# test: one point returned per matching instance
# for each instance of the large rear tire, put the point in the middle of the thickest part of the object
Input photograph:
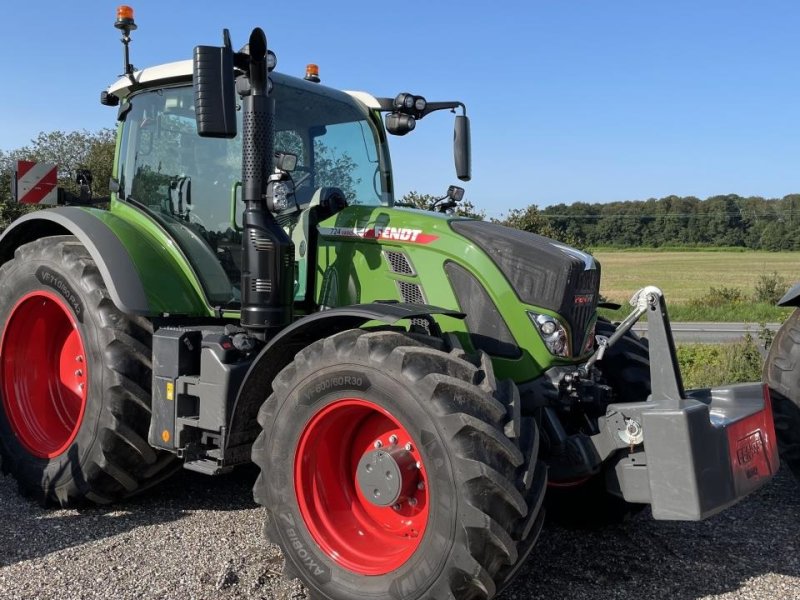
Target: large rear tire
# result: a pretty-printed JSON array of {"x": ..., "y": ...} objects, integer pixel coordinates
[
  {"x": 782, "y": 374},
  {"x": 469, "y": 483},
  {"x": 588, "y": 504},
  {"x": 74, "y": 379}
]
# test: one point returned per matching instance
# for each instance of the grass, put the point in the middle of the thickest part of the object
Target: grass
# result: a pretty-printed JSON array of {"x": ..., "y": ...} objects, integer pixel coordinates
[
  {"x": 662, "y": 249},
  {"x": 687, "y": 276},
  {"x": 686, "y": 279},
  {"x": 708, "y": 365}
]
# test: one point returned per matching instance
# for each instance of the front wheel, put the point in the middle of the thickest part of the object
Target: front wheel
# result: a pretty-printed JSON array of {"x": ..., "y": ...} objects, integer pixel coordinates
[{"x": 391, "y": 468}]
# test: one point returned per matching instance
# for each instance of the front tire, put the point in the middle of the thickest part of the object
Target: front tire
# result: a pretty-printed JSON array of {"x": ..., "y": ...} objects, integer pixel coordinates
[
  {"x": 469, "y": 509},
  {"x": 782, "y": 374},
  {"x": 74, "y": 380}
]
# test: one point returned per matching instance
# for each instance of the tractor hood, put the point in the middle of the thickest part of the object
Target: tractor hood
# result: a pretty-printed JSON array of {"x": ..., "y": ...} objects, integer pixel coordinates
[
  {"x": 499, "y": 277},
  {"x": 541, "y": 271}
]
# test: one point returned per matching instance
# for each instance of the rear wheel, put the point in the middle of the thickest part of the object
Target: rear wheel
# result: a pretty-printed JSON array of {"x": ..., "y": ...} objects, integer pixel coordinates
[
  {"x": 782, "y": 374},
  {"x": 74, "y": 381},
  {"x": 587, "y": 504},
  {"x": 392, "y": 468}
]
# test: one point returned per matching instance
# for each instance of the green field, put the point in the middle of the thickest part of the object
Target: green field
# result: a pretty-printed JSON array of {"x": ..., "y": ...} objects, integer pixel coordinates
[{"x": 684, "y": 276}]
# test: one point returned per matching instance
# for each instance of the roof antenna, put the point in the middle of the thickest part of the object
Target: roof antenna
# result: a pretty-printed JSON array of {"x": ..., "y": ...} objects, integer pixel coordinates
[{"x": 126, "y": 24}]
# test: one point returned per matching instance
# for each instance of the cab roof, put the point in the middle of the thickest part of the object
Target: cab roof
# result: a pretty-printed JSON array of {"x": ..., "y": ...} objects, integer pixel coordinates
[{"x": 182, "y": 71}]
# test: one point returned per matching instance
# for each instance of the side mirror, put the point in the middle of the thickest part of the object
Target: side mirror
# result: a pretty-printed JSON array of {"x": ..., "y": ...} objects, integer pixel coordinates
[
  {"x": 214, "y": 98},
  {"x": 462, "y": 152},
  {"x": 455, "y": 193},
  {"x": 285, "y": 161}
]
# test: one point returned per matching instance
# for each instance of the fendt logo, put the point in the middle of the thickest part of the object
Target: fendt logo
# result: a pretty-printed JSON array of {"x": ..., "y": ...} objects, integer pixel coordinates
[
  {"x": 381, "y": 232},
  {"x": 403, "y": 234},
  {"x": 749, "y": 448}
]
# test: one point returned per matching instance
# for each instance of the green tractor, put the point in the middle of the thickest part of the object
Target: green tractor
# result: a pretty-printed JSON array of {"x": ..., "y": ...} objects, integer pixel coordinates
[{"x": 409, "y": 382}]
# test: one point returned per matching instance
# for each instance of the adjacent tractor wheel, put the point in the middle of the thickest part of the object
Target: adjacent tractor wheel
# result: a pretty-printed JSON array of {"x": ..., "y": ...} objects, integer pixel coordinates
[
  {"x": 392, "y": 468},
  {"x": 74, "y": 381},
  {"x": 782, "y": 374},
  {"x": 587, "y": 504}
]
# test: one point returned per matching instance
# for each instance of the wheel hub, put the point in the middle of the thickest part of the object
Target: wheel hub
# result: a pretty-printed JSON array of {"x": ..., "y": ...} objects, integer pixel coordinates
[{"x": 387, "y": 478}]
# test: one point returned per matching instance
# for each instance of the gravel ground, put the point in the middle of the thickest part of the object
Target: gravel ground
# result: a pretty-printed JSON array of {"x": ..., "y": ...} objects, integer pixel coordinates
[{"x": 195, "y": 537}]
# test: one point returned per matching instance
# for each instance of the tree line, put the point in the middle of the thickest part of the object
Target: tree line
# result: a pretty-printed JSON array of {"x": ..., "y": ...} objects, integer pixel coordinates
[{"x": 681, "y": 221}]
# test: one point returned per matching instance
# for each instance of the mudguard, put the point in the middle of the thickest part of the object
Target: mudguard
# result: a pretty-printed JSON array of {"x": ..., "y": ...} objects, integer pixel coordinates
[
  {"x": 140, "y": 276},
  {"x": 281, "y": 349},
  {"x": 792, "y": 297}
]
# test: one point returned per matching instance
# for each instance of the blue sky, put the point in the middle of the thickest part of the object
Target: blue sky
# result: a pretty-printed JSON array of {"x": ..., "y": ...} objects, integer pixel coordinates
[{"x": 569, "y": 101}]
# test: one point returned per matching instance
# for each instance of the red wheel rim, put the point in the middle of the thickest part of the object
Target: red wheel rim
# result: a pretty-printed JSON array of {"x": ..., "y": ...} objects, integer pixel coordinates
[
  {"x": 360, "y": 536},
  {"x": 44, "y": 374}
]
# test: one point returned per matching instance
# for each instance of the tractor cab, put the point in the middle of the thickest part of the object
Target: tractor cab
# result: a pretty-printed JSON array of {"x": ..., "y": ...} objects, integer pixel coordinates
[{"x": 330, "y": 152}]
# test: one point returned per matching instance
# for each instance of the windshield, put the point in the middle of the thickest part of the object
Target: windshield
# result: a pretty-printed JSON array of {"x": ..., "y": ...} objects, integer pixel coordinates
[{"x": 192, "y": 185}]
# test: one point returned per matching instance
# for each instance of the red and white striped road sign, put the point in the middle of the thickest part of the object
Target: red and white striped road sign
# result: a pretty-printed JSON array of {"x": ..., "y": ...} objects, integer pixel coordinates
[{"x": 36, "y": 182}]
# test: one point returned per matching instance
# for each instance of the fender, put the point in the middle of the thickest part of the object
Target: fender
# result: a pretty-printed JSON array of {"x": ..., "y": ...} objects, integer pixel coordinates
[
  {"x": 125, "y": 256},
  {"x": 281, "y": 349},
  {"x": 792, "y": 297}
]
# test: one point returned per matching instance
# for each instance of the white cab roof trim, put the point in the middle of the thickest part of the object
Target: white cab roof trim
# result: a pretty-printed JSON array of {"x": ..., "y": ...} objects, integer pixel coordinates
[
  {"x": 366, "y": 99},
  {"x": 182, "y": 68}
]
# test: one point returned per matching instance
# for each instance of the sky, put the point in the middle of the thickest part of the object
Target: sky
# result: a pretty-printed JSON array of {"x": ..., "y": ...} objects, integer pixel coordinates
[{"x": 568, "y": 100}]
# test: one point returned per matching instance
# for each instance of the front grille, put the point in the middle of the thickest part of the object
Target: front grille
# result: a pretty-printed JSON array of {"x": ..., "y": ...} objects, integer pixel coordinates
[{"x": 580, "y": 314}]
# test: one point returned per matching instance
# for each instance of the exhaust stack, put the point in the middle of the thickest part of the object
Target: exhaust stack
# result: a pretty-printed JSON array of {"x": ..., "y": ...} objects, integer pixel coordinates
[{"x": 267, "y": 252}]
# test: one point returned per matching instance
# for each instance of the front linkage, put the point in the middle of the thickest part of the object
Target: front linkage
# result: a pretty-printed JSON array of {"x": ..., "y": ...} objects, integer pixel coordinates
[{"x": 691, "y": 454}]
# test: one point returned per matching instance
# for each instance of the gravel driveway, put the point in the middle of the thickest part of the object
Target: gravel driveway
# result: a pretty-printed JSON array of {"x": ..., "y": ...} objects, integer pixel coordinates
[{"x": 195, "y": 537}]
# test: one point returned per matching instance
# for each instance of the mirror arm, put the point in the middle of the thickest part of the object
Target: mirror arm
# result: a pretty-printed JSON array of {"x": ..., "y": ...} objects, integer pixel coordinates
[
  {"x": 387, "y": 105},
  {"x": 434, "y": 106}
]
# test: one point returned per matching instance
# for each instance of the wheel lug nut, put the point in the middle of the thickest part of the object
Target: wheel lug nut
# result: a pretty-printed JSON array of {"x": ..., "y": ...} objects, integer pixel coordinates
[
  {"x": 79, "y": 358},
  {"x": 419, "y": 465},
  {"x": 412, "y": 501},
  {"x": 396, "y": 507},
  {"x": 421, "y": 485},
  {"x": 393, "y": 440},
  {"x": 408, "y": 446},
  {"x": 378, "y": 444},
  {"x": 78, "y": 373}
]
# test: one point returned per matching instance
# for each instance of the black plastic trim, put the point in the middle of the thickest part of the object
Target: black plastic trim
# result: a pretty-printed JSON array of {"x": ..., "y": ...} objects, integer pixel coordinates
[
  {"x": 792, "y": 297},
  {"x": 487, "y": 328}
]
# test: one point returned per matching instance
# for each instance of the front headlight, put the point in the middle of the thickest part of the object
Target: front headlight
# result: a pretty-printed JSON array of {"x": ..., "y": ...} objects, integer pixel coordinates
[{"x": 553, "y": 334}]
